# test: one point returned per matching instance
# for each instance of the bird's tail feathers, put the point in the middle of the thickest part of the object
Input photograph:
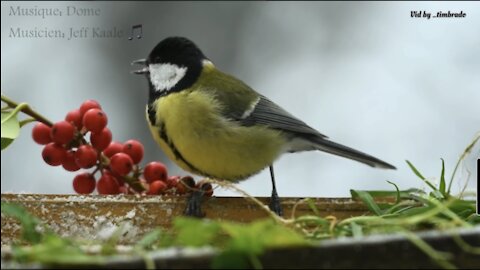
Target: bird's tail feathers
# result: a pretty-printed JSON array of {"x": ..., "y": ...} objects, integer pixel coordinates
[{"x": 347, "y": 152}]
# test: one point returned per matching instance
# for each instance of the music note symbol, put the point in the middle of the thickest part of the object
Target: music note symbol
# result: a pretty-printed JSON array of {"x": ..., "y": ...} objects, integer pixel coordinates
[{"x": 137, "y": 26}]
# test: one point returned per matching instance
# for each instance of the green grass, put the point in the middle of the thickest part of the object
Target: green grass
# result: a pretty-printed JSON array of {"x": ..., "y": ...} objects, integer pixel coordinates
[{"x": 408, "y": 211}]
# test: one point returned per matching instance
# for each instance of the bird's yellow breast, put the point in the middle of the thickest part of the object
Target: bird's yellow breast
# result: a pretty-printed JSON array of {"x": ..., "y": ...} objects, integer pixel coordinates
[{"x": 209, "y": 144}]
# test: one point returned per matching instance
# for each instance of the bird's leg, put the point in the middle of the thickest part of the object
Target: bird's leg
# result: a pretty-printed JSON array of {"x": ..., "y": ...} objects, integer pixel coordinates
[
  {"x": 194, "y": 203},
  {"x": 275, "y": 200}
]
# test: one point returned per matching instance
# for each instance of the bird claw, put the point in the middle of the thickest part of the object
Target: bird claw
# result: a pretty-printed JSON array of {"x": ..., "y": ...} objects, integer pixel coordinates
[
  {"x": 275, "y": 205},
  {"x": 194, "y": 203}
]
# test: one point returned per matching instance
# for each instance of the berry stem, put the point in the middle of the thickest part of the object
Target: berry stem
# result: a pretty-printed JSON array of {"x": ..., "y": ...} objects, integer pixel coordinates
[
  {"x": 137, "y": 171},
  {"x": 97, "y": 169},
  {"x": 103, "y": 161},
  {"x": 25, "y": 108},
  {"x": 135, "y": 185},
  {"x": 26, "y": 121}
]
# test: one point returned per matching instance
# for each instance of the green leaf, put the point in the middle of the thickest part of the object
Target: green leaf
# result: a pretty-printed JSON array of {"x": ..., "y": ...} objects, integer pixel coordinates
[
  {"x": 10, "y": 128},
  {"x": 55, "y": 250},
  {"x": 150, "y": 238},
  {"x": 6, "y": 142},
  {"x": 246, "y": 237},
  {"x": 10, "y": 125},
  {"x": 195, "y": 232},
  {"x": 29, "y": 222},
  {"x": 368, "y": 200}
]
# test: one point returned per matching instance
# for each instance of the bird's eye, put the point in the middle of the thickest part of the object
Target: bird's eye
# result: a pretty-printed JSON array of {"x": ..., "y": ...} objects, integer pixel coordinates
[{"x": 157, "y": 59}]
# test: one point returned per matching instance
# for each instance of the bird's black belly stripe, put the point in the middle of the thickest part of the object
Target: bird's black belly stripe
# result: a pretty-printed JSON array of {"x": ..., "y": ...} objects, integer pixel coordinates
[
  {"x": 178, "y": 155},
  {"x": 151, "y": 114}
]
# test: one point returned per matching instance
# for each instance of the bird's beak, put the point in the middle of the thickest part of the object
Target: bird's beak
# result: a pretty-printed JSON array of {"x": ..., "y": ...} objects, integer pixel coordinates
[{"x": 142, "y": 62}]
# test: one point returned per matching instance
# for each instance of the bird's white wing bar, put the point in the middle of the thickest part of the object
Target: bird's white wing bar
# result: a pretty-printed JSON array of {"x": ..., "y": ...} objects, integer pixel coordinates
[
  {"x": 268, "y": 113},
  {"x": 250, "y": 109}
]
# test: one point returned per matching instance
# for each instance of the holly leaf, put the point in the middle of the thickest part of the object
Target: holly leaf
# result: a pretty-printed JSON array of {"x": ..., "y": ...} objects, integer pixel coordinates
[
  {"x": 10, "y": 128},
  {"x": 6, "y": 142}
]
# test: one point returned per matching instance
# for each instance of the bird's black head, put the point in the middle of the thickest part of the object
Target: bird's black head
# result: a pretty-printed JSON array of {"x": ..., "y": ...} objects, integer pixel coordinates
[
  {"x": 173, "y": 65},
  {"x": 179, "y": 51}
]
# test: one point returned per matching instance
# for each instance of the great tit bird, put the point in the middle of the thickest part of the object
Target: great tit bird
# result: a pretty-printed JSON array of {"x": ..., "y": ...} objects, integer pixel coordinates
[{"x": 213, "y": 124}]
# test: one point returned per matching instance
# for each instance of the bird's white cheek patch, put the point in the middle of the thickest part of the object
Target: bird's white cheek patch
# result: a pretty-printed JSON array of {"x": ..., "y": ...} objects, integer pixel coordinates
[{"x": 166, "y": 76}]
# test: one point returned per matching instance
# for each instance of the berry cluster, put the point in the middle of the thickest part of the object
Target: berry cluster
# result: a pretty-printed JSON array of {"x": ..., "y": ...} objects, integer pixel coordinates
[{"x": 117, "y": 163}]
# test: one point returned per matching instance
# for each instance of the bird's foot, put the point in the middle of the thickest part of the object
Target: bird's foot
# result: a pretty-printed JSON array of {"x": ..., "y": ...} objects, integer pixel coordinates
[
  {"x": 275, "y": 205},
  {"x": 194, "y": 203}
]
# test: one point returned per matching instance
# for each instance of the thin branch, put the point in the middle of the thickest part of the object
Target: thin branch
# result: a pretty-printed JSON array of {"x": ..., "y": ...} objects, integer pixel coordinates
[{"x": 25, "y": 108}]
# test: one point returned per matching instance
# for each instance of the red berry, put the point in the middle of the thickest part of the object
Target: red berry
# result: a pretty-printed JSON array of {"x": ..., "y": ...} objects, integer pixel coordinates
[
  {"x": 121, "y": 164},
  {"x": 112, "y": 149},
  {"x": 87, "y": 105},
  {"x": 155, "y": 171},
  {"x": 157, "y": 187},
  {"x": 185, "y": 185},
  {"x": 102, "y": 139},
  {"x": 205, "y": 187},
  {"x": 107, "y": 184},
  {"x": 75, "y": 118},
  {"x": 86, "y": 156},
  {"x": 134, "y": 149},
  {"x": 62, "y": 132},
  {"x": 119, "y": 178},
  {"x": 84, "y": 183},
  {"x": 124, "y": 190},
  {"x": 172, "y": 181},
  {"x": 95, "y": 120},
  {"x": 41, "y": 134},
  {"x": 53, "y": 154},
  {"x": 69, "y": 163}
]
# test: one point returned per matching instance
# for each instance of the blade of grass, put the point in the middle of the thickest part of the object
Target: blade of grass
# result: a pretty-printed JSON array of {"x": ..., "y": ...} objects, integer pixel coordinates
[
  {"x": 397, "y": 190},
  {"x": 464, "y": 245},
  {"x": 310, "y": 219},
  {"x": 312, "y": 206},
  {"x": 357, "y": 230},
  {"x": 400, "y": 207},
  {"x": 368, "y": 200},
  {"x": 388, "y": 193},
  {"x": 462, "y": 157},
  {"x": 442, "y": 180},
  {"x": 417, "y": 173},
  {"x": 439, "y": 257}
]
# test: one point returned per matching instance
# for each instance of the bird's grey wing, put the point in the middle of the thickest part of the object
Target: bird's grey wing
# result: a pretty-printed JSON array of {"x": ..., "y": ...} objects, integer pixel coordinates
[
  {"x": 266, "y": 112},
  {"x": 248, "y": 107},
  {"x": 262, "y": 111}
]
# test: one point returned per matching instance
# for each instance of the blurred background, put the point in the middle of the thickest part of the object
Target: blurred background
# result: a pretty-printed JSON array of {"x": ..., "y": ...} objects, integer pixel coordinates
[{"x": 367, "y": 75}]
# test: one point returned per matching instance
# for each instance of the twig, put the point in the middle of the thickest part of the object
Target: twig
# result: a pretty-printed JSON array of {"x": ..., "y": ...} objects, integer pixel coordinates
[{"x": 25, "y": 108}]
